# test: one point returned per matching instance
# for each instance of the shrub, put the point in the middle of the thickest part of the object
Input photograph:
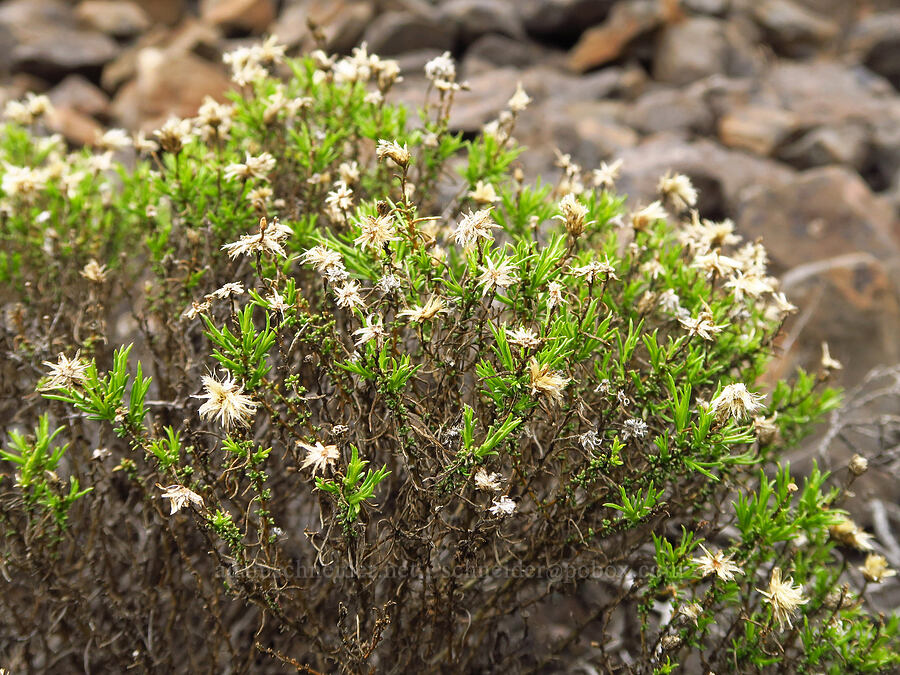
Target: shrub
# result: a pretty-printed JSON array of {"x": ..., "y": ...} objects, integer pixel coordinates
[{"x": 383, "y": 405}]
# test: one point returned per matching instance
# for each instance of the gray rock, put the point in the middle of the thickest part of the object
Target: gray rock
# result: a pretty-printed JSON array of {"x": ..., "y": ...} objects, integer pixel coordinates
[
  {"x": 846, "y": 144},
  {"x": 80, "y": 94},
  {"x": 48, "y": 41},
  {"x": 689, "y": 50},
  {"x": 342, "y": 22},
  {"x": 671, "y": 110},
  {"x": 397, "y": 32},
  {"x": 499, "y": 50},
  {"x": 562, "y": 20},
  {"x": 474, "y": 18}
]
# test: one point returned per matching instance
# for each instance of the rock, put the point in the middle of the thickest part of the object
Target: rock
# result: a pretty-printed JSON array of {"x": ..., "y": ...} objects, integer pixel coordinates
[
  {"x": 163, "y": 11},
  {"x": 846, "y": 144},
  {"x": 191, "y": 35},
  {"x": 562, "y": 20},
  {"x": 759, "y": 129},
  {"x": 876, "y": 43},
  {"x": 722, "y": 176},
  {"x": 597, "y": 134},
  {"x": 689, "y": 50},
  {"x": 711, "y": 7},
  {"x": 48, "y": 41},
  {"x": 671, "y": 110},
  {"x": 793, "y": 29},
  {"x": 844, "y": 273},
  {"x": 119, "y": 18},
  {"x": 827, "y": 92},
  {"x": 626, "y": 21},
  {"x": 239, "y": 15},
  {"x": 486, "y": 97},
  {"x": 499, "y": 50},
  {"x": 81, "y": 95},
  {"x": 342, "y": 23},
  {"x": 76, "y": 127},
  {"x": 397, "y": 32},
  {"x": 830, "y": 209},
  {"x": 474, "y": 18},
  {"x": 167, "y": 84},
  {"x": 883, "y": 171}
]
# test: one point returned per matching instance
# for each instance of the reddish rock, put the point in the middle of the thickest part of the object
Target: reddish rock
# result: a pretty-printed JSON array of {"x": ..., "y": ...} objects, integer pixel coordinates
[
  {"x": 758, "y": 129},
  {"x": 243, "y": 15},
  {"x": 626, "y": 21},
  {"x": 119, "y": 18},
  {"x": 163, "y": 11},
  {"x": 75, "y": 126},
  {"x": 167, "y": 84}
]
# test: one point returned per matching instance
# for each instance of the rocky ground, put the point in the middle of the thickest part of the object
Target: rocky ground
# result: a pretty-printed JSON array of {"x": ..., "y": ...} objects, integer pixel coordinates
[{"x": 786, "y": 113}]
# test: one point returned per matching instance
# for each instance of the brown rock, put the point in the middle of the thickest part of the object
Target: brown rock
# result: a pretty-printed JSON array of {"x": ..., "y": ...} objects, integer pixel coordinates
[
  {"x": 241, "y": 15},
  {"x": 119, "y": 18},
  {"x": 876, "y": 42},
  {"x": 689, "y": 50},
  {"x": 163, "y": 11},
  {"x": 75, "y": 126},
  {"x": 342, "y": 22},
  {"x": 792, "y": 28},
  {"x": 397, "y": 32},
  {"x": 167, "y": 84},
  {"x": 756, "y": 128},
  {"x": 626, "y": 21},
  {"x": 79, "y": 94}
]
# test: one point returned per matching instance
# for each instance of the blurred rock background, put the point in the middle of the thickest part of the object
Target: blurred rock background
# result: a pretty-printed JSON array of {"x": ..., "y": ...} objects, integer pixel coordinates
[{"x": 785, "y": 113}]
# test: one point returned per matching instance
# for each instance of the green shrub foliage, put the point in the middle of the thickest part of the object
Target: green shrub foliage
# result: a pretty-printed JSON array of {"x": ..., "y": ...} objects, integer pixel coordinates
[{"x": 318, "y": 385}]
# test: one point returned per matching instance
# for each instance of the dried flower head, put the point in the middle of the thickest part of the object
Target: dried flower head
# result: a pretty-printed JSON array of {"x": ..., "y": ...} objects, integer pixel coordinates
[
  {"x": 523, "y": 337},
  {"x": 677, "y": 188},
  {"x": 848, "y": 532},
  {"x": 634, "y": 428},
  {"x": 519, "y": 100},
  {"x": 735, "y": 401},
  {"x": 645, "y": 217},
  {"x": 546, "y": 381},
  {"x": 484, "y": 193},
  {"x": 605, "y": 177},
  {"x": 393, "y": 151},
  {"x": 828, "y": 363},
  {"x": 876, "y": 569},
  {"x": 497, "y": 275},
  {"x": 474, "y": 226},
  {"x": 702, "y": 325},
  {"x": 419, "y": 313},
  {"x": 65, "y": 372},
  {"x": 489, "y": 482},
  {"x": 573, "y": 214},
  {"x": 858, "y": 465},
  {"x": 503, "y": 507},
  {"x": 179, "y": 496},
  {"x": 376, "y": 231},
  {"x": 717, "y": 563},
  {"x": 94, "y": 271},
  {"x": 226, "y": 401},
  {"x": 784, "y": 598},
  {"x": 372, "y": 329},
  {"x": 270, "y": 239},
  {"x": 319, "y": 456},
  {"x": 258, "y": 167},
  {"x": 174, "y": 134},
  {"x": 348, "y": 296}
]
